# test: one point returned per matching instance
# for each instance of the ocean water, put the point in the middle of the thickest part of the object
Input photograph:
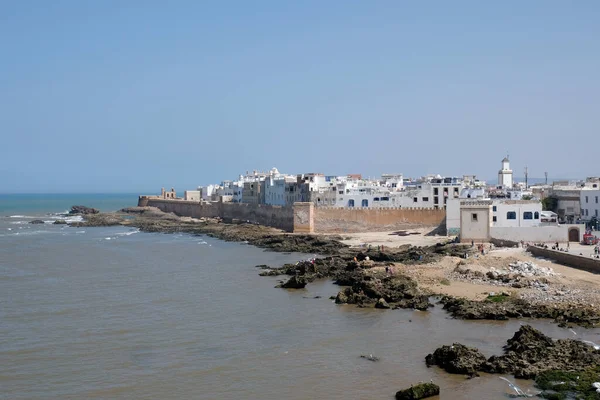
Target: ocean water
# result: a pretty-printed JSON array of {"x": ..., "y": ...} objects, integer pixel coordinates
[
  {"x": 41, "y": 204},
  {"x": 115, "y": 313}
]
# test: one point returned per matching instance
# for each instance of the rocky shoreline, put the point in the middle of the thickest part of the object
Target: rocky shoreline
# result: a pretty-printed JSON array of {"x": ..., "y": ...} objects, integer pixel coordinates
[
  {"x": 362, "y": 273},
  {"x": 530, "y": 354},
  {"x": 367, "y": 279}
]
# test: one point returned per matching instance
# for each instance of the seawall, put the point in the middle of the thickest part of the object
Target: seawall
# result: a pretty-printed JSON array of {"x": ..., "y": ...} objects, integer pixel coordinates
[
  {"x": 305, "y": 219},
  {"x": 569, "y": 259},
  {"x": 274, "y": 216}
]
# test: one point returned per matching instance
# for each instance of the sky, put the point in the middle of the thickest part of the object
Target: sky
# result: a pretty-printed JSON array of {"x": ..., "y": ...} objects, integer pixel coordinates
[{"x": 130, "y": 96}]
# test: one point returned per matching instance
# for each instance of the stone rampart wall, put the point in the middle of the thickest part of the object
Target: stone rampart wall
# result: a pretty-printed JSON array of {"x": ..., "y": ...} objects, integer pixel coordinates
[
  {"x": 337, "y": 220},
  {"x": 275, "y": 216},
  {"x": 569, "y": 259}
]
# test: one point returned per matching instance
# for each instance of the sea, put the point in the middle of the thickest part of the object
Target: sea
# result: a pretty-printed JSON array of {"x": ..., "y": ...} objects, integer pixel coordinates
[{"x": 115, "y": 313}]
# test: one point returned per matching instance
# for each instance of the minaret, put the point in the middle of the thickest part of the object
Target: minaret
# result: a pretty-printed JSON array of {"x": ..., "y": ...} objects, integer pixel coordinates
[{"x": 505, "y": 177}]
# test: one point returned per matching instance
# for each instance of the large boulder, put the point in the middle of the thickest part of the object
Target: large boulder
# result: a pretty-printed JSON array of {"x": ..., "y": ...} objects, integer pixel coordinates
[
  {"x": 457, "y": 359},
  {"x": 295, "y": 282},
  {"x": 417, "y": 392},
  {"x": 36, "y": 222},
  {"x": 83, "y": 210},
  {"x": 60, "y": 222}
]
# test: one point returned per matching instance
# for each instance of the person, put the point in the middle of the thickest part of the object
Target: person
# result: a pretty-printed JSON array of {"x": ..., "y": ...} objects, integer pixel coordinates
[
  {"x": 387, "y": 270},
  {"x": 472, "y": 243}
]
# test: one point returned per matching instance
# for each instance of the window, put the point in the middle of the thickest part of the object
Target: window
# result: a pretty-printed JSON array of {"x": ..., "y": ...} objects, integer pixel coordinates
[
  {"x": 376, "y": 199},
  {"x": 586, "y": 199},
  {"x": 596, "y": 212},
  {"x": 596, "y": 199},
  {"x": 536, "y": 215},
  {"x": 341, "y": 192},
  {"x": 511, "y": 215},
  {"x": 494, "y": 218},
  {"x": 350, "y": 203},
  {"x": 385, "y": 199},
  {"x": 435, "y": 191},
  {"x": 425, "y": 198},
  {"x": 587, "y": 212},
  {"x": 394, "y": 185},
  {"x": 494, "y": 208},
  {"x": 435, "y": 200},
  {"x": 415, "y": 199},
  {"x": 455, "y": 190},
  {"x": 365, "y": 203},
  {"x": 527, "y": 215},
  {"x": 474, "y": 217}
]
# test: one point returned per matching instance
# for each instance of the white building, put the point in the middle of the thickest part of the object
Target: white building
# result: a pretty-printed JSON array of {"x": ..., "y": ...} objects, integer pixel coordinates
[
  {"x": 516, "y": 213},
  {"x": 590, "y": 203},
  {"x": 480, "y": 222},
  {"x": 505, "y": 175}
]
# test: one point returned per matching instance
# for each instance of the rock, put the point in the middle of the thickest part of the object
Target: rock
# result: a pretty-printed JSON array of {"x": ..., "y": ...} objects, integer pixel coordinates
[
  {"x": 420, "y": 391},
  {"x": 295, "y": 282},
  {"x": 36, "y": 222},
  {"x": 60, "y": 222},
  {"x": 369, "y": 357},
  {"x": 83, "y": 210},
  {"x": 270, "y": 272},
  {"x": 457, "y": 359},
  {"x": 527, "y": 354},
  {"x": 381, "y": 303}
]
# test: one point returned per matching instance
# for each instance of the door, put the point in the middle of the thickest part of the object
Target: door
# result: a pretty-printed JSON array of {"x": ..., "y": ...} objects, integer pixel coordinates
[{"x": 574, "y": 235}]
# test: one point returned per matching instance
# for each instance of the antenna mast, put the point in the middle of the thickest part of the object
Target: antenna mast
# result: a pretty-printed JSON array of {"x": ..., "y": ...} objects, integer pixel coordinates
[
  {"x": 526, "y": 178},
  {"x": 545, "y": 173}
]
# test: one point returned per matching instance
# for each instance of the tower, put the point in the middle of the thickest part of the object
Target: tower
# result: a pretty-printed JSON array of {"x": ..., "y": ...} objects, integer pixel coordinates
[{"x": 505, "y": 175}]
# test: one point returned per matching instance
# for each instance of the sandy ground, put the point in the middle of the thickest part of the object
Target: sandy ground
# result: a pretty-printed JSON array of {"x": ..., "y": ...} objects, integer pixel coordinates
[
  {"x": 415, "y": 237},
  {"x": 570, "y": 285}
]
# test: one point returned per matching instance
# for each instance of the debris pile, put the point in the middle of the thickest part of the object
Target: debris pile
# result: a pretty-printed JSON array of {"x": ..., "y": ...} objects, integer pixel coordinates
[{"x": 527, "y": 268}]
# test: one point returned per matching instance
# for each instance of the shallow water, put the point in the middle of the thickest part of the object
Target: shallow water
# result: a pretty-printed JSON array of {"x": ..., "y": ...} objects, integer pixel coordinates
[{"x": 113, "y": 313}]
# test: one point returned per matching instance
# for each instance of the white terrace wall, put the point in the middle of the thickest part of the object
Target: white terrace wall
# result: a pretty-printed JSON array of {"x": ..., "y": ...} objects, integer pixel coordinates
[{"x": 537, "y": 234}]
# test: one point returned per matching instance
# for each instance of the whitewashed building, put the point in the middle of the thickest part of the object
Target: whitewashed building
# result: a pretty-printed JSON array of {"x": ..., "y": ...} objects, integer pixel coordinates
[{"x": 590, "y": 204}]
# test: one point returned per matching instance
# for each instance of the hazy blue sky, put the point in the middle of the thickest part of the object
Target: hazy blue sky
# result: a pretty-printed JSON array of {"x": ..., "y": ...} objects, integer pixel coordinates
[{"x": 134, "y": 95}]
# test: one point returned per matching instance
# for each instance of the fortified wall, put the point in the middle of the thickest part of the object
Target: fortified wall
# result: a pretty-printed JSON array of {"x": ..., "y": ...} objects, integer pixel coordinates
[
  {"x": 275, "y": 216},
  {"x": 331, "y": 219},
  {"x": 304, "y": 217},
  {"x": 569, "y": 259}
]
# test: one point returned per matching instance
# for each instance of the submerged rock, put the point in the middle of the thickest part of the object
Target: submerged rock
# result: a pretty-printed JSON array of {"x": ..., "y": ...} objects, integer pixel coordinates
[
  {"x": 528, "y": 353},
  {"x": 457, "y": 359},
  {"x": 369, "y": 357},
  {"x": 60, "y": 222},
  {"x": 36, "y": 222},
  {"x": 83, "y": 210},
  {"x": 295, "y": 282},
  {"x": 417, "y": 392}
]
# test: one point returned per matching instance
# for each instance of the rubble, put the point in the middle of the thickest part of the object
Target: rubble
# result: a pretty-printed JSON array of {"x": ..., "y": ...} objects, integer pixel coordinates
[{"x": 527, "y": 268}]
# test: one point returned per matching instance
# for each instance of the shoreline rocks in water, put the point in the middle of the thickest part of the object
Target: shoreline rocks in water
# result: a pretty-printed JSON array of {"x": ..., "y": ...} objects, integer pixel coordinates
[
  {"x": 36, "y": 222},
  {"x": 353, "y": 268},
  {"x": 505, "y": 307},
  {"x": 418, "y": 392},
  {"x": 527, "y": 354},
  {"x": 83, "y": 210}
]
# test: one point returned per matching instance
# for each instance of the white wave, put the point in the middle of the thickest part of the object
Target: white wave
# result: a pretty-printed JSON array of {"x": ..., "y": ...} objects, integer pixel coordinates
[
  {"x": 21, "y": 216},
  {"x": 80, "y": 232},
  {"x": 9, "y": 229},
  {"x": 77, "y": 218},
  {"x": 202, "y": 242},
  {"x": 128, "y": 233},
  {"x": 108, "y": 238},
  {"x": 19, "y": 222}
]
